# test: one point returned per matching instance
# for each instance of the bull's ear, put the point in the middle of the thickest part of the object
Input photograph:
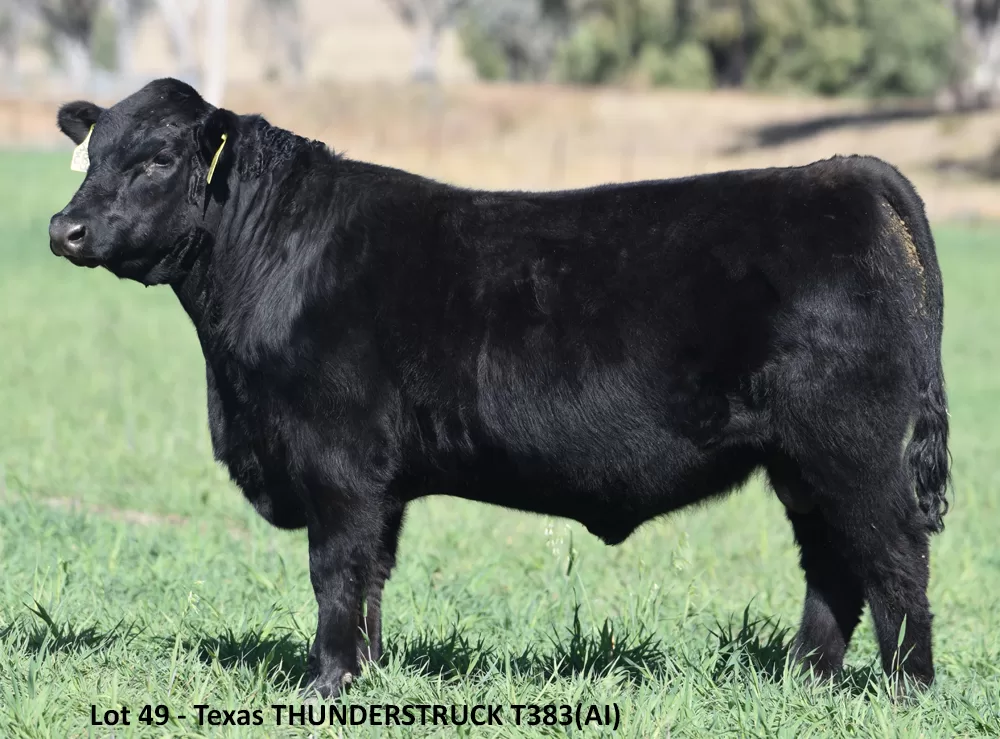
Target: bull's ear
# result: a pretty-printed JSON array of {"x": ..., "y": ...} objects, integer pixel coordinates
[
  {"x": 75, "y": 119},
  {"x": 220, "y": 125}
]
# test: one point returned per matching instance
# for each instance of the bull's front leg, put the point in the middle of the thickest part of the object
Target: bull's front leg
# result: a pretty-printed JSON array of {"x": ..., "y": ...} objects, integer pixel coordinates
[
  {"x": 370, "y": 640},
  {"x": 343, "y": 552}
]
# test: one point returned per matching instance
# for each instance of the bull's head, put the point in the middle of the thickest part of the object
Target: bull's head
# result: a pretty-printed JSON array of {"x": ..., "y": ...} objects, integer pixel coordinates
[{"x": 142, "y": 203}]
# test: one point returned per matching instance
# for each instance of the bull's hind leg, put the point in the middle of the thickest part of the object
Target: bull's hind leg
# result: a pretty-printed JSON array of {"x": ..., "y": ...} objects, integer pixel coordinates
[
  {"x": 875, "y": 530},
  {"x": 841, "y": 412},
  {"x": 834, "y": 598},
  {"x": 892, "y": 555},
  {"x": 834, "y": 595}
]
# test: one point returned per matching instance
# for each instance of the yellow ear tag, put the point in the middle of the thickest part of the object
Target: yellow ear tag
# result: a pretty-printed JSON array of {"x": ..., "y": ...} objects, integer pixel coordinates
[
  {"x": 215, "y": 160},
  {"x": 81, "y": 154}
]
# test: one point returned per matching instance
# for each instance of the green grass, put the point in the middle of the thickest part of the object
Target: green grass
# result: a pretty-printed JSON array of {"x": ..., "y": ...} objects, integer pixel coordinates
[{"x": 684, "y": 626}]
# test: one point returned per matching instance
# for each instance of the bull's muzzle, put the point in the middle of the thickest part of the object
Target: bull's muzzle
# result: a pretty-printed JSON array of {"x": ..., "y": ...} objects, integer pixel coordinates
[{"x": 67, "y": 236}]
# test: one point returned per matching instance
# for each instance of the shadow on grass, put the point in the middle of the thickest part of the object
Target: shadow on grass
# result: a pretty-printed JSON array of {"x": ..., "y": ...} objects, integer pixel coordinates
[
  {"x": 863, "y": 681},
  {"x": 984, "y": 168},
  {"x": 278, "y": 658},
  {"x": 52, "y": 637},
  {"x": 777, "y": 134},
  {"x": 636, "y": 657},
  {"x": 736, "y": 649},
  {"x": 760, "y": 645}
]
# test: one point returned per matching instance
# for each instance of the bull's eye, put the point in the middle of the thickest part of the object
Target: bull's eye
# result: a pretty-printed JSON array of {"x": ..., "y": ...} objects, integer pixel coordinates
[{"x": 162, "y": 160}]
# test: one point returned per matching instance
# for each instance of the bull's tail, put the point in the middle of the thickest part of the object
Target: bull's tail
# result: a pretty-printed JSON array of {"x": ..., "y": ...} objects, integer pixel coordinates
[{"x": 927, "y": 451}]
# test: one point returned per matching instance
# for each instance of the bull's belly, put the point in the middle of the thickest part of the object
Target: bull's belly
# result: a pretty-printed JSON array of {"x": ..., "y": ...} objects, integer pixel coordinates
[
  {"x": 609, "y": 482},
  {"x": 611, "y": 504},
  {"x": 610, "y": 512}
]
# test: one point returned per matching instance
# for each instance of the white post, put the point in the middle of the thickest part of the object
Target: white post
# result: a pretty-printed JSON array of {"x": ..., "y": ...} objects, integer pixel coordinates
[{"x": 216, "y": 26}]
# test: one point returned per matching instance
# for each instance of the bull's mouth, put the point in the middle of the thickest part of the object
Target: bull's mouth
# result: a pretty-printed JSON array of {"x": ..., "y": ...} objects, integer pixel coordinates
[{"x": 82, "y": 261}]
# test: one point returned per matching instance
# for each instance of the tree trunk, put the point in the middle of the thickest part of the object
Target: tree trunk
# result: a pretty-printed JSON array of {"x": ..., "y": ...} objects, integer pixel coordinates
[
  {"x": 744, "y": 50},
  {"x": 978, "y": 84},
  {"x": 216, "y": 45},
  {"x": 682, "y": 19},
  {"x": 74, "y": 55},
  {"x": 986, "y": 73},
  {"x": 126, "y": 18},
  {"x": 178, "y": 17},
  {"x": 426, "y": 57},
  {"x": 10, "y": 35},
  {"x": 288, "y": 24}
]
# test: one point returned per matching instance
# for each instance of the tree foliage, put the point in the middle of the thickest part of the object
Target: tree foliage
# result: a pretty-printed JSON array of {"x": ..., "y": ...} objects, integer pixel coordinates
[
  {"x": 428, "y": 18},
  {"x": 873, "y": 47},
  {"x": 514, "y": 39}
]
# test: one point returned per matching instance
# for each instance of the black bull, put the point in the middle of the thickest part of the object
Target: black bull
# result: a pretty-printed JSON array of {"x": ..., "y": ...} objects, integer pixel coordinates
[{"x": 608, "y": 354}]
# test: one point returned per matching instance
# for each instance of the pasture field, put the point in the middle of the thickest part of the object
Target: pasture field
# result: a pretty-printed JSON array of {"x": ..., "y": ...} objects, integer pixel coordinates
[{"x": 133, "y": 572}]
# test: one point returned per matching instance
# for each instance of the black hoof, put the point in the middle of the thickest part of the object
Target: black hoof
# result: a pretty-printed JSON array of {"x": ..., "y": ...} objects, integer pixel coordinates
[
  {"x": 328, "y": 687},
  {"x": 905, "y": 689},
  {"x": 815, "y": 665}
]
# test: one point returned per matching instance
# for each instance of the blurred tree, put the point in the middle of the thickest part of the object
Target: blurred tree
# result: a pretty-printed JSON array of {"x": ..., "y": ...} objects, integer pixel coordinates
[
  {"x": 873, "y": 47},
  {"x": 818, "y": 45},
  {"x": 126, "y": 15},
  {"x": 908, "y": 47},
  {"x": 654, "y": 40},
  {"x": 728, "y": 29},
  {"x": 215, "y": 51},
  {"x": 11, "y": 28},
  {"x": 870, "y": 47},
  {"x": 514, "y": 39},
  {"x": 81, "y": 33},
  {"x": 977, "y": 82},
  {"x": 78, "y": 34},
  {"x": 275, "y": 27},
  {"x": 428, "y": 18},
  {"x": 179, "y": 16},
  {"x": 68, "y": 31}
]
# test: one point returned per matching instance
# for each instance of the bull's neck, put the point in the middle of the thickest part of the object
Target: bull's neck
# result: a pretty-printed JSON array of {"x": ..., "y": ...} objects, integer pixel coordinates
[
  {"x": 193, "y": 289},
  {"x": 243, "y": 250}
]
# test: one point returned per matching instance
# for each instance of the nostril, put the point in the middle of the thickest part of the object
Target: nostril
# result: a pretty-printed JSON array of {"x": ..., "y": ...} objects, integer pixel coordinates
[{"x": 76, "y": 233}]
